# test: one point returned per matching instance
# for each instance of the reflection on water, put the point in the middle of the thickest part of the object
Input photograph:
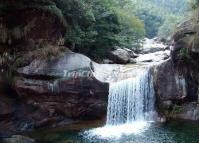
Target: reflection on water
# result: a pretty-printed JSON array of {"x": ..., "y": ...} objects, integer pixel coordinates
[{"x": 173, "y": 132}]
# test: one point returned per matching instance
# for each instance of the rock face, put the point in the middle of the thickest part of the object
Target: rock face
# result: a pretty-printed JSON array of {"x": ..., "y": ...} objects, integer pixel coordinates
[
  {"x": 169, "y": 84},
  {"x": 185, "y": 43},
  {"x": 175, "y": 87},
  {"x": 28, "y": 26},
  {"x": 53, "y": 93},
  {"x": 18, "y": 139},
  {"x": 177, "y": 80},
  {"x": 26, "y": 30},
  {"x": 63, "y": 87},
  {"x": 188, "y": 111}
]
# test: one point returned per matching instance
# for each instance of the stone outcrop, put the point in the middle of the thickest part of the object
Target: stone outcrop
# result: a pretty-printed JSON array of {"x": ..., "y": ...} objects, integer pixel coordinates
[
  {"x": 169, "y": 84},
  {"x": 63, "y": 88},
  {"x": 177, "y": 80},
  {"x": 175, "y": 86}
]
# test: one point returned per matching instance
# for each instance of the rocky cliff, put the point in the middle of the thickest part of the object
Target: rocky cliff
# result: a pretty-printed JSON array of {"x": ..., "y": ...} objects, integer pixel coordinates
[{"x": 177, "y": 80}]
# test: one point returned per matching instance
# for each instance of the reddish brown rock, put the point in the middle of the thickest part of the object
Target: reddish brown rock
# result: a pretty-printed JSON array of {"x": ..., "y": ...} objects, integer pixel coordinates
[{"x": 64, "y": 86}]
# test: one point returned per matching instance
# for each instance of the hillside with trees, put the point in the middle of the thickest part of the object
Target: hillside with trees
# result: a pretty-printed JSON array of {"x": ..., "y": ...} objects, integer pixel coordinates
[
  {"x": 160, "y": 16},
  {"x": 96, "y": 27}
]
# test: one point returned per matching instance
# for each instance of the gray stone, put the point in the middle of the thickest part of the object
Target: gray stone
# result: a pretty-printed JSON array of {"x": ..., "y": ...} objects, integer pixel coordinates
[
  {"x": 62, "y": 88},
  {"x": 133, "y": 61},
  {"x": 107, "y": 61},
  {"x": 120, "y": 56},
  {"x": 188, "y": 111},
  {"x": 167, "y": 104}
]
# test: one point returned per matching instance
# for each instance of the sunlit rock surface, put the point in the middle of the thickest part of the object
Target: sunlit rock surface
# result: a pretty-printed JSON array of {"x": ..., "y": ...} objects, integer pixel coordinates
[
  {"x": 152, "y": 45},
  {"x": 154, "y": 57}
]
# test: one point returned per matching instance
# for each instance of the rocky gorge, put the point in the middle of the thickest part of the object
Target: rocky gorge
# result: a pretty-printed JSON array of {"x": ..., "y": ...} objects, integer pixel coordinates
[{"x": 69, "y": 87}]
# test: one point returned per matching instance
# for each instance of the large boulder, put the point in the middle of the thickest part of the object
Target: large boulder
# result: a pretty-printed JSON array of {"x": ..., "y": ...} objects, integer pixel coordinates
[
  {"x": 185, "y": 43},
  {"x": 65, "y": 86},
  {"x": 169, "y": 84},
  {"x": 185, "y": 29},
  {"x": 120, "y": 56},
  {"x": 175, "y": 87}
]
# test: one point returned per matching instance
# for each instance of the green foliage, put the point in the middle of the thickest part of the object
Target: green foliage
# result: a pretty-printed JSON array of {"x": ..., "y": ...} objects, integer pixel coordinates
[
  {"x": 194, "y": 4},
  {"x": 167, "y": 29},
  {"x": 152, "y": 22},
  {"x": 97, "y": 26},
  {"x": 158, "y": 15},
  {"x": 176, "y": 110}
]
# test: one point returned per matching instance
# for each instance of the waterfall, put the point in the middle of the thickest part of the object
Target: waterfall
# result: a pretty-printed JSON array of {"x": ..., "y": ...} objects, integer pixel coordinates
[
  {"x": 132, "y": 99},
  {"x": 130, "y": 107}
]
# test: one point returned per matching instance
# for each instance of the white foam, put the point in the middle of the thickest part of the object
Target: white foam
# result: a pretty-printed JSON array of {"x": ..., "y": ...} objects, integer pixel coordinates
[{"x": 109, "y": 132}]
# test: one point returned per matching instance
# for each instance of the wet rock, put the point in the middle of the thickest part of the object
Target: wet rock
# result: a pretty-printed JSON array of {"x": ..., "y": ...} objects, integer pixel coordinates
[
  {"x": 154, "y": 57},
  {"x": 188, "y": 111},
  {"x": 162, "y": 119},
  {"x": 6, "y": 106},
  {"x": 18, "y": 139},
  {"x": 167, "y": 104}
]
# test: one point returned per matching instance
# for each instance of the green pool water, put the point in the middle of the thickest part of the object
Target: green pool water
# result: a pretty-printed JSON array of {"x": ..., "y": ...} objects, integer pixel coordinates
[{"x": 171, "y": 132}]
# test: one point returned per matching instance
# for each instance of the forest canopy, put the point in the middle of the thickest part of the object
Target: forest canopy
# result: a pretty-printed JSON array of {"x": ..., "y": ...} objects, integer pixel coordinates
[{"x": 97, "y": 26}]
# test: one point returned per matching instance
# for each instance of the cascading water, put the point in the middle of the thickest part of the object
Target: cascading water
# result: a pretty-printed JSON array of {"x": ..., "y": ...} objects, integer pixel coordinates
[
  {"x": 130, "y": 106},
  {"x": 131, "y": 100}
]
